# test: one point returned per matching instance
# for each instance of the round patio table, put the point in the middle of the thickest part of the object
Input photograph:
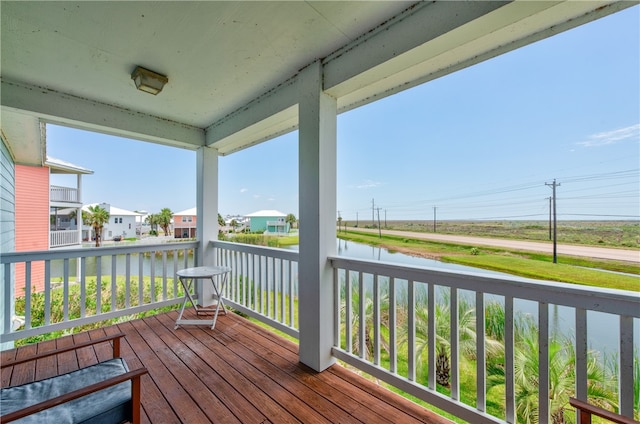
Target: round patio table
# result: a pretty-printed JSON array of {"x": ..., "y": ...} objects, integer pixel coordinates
[{"x": 218, "y": 277}]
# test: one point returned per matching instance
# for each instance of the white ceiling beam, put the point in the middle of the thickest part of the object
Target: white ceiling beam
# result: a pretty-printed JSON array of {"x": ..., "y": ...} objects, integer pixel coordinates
[
  {"x": 375, "y": 55},
  {"x": 266, "y": 117},
  {"x": 64, "y": 109},
  {"x": 441, "y": 38}
]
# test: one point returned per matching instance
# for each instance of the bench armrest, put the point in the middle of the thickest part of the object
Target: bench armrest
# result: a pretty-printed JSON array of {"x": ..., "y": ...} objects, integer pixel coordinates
[
  {"x": 585, "y": 410},
  {"x": 134, "y": 376},
  {"x": 116, "y": 350}
]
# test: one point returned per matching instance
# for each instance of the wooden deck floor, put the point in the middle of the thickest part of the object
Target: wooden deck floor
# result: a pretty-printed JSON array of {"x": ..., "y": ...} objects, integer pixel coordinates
[{"x": 237, "y": 373}]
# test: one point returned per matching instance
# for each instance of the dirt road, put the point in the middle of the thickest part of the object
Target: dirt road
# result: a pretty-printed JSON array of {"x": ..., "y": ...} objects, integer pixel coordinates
[{"x": 563, "y": 249}]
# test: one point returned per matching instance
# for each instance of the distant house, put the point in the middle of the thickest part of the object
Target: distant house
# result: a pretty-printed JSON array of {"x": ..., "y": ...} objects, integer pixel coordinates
[
  {"x": 121, "y": 222},
  {"x": 268, "y": 222},
  {"x": 184, "y": 223}
]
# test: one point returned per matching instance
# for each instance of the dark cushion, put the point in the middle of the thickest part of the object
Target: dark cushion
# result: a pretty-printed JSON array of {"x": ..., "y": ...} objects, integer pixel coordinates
[{"x": 111, "y": 405}]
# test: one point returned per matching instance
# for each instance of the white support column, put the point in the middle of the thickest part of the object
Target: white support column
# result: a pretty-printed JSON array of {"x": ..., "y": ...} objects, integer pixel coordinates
[
  {"x": 317, "y": 200},
  {"x": 79, "y": 213},
  {"x": 207, "y": 215}
]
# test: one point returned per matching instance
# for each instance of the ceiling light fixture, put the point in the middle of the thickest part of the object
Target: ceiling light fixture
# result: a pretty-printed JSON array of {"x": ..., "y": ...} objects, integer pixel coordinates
[{"x": 148, "y": 81}]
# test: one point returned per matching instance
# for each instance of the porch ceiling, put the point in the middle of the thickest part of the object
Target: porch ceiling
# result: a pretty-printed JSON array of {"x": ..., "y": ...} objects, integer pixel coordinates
[{"x": 232, "y": 66}]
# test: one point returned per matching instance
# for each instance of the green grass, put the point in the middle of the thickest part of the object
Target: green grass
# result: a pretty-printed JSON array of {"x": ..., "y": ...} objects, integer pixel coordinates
[
  {"x": 584, "y": 271},
  {"x": 531, "y": 268},
  {"x": 624, "y": 234}
]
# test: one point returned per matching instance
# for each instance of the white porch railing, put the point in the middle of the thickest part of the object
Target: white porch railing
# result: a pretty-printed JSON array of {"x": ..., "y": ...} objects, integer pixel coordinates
[
  {"x": 126, "y": 280},
  {"x": 383, "y": 307},
  {"x": 263, "y": 283},
  {"x": 63, "y": 194},
  {"x": 63, "y": 238},
  {"x": 387, "y": 304}
]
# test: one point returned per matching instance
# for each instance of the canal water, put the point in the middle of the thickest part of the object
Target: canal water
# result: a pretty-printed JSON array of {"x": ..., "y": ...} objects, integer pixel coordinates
[{"x": 603, "y": 328}]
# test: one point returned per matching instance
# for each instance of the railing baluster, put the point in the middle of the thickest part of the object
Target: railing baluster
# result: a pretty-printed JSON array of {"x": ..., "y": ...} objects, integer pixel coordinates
[
  {"x": 291, "y": 295},
  {"x": 455, "y": 343},
  {"x": 431, "y": 330},
  {"x": 481, "y": 360},
  {"x": 47, "y": 292},
  {"x": 362, "y": 322},
  {"x": 65, "y": 290},
  {"x": 281, "y": 294},
  {"x": 347, "y": 312},
  {"x": 254, "y": 271},
  {"x": 164, "y": 275},
  {"x": 411, "y": 330},
  {"x": 8, "y": 297},
  {"x": 174, "y": 276},
  {"x": 393, "y": 355},
  {"x": 509, "y": 341},
  {"x": 83, "y": 287},
  {"x": 114, "y": 277},
  {"x": 376, "y": 320},
  {"x": 543, "y": 362},
  {"x": 127, "y": 281},
  {"x": 98, "y": 285},
  {"x": 152, "y": 276},
  {"x": 27, "y": 295},
  {"x": 626, "y": 389},
  {"x": 140, "y": 278},
  {"x": 581, "y": 354}
]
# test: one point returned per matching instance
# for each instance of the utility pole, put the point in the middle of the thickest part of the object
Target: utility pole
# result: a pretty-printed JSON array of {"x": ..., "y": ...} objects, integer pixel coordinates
[
  {"x": 550, "y": 199},
  {"x": 356, "y": 219},
  {"x": 373, "y": 208},
  {"x": 434, "y": 219},
  {"x": 553, "y": 186},
  {"x": 385, "y": 218},
  {"x": 339, "y": 221},
  {"x": 379, "y": 229}
]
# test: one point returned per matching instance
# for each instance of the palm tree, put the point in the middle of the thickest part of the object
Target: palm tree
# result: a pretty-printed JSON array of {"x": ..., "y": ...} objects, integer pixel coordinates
[
  {"x": 368, "y": 318},
  {"x": 164, "y": 220},
  {"x": 600, "y": 388},
  {"x": 96, "y": 218},
  {"x": 466, "y": 335},
  {"x": 153, "y": 220}
]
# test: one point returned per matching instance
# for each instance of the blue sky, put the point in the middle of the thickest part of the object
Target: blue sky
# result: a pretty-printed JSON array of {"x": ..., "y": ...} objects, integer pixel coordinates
[{"x": 478, "y": 144}]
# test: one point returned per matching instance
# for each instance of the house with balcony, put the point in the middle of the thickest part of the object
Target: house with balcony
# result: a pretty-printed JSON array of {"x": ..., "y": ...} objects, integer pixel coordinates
[
  {"x": 46, "y": 214},
  {"x": 66, "y": 204},
  {"x": 268, "y": 222},
  {"x": 215, "y": 91},
  {"x": 184, "y": 223}
]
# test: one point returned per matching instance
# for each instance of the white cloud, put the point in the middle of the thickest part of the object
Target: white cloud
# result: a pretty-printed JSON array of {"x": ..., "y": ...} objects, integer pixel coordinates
[
  {"x": 611, "y": 137},
  {"x": 244, "y": 190},
  {"x": 367, "y": 184}
]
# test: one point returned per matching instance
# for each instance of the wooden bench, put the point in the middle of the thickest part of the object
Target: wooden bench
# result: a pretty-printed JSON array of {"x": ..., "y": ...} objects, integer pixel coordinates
[
  {"x": 586, "y": 410},
  {"x": 105, "y": 392}
]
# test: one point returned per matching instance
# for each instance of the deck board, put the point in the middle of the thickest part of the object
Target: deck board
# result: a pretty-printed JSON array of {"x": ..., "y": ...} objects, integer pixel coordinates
[{"x": 237, "y": 373}]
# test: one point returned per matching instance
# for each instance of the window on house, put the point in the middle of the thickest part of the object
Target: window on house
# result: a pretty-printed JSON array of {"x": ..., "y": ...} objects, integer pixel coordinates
[
  {"x": 184, "y": 219},
  {"x": 190, "y": 219}
]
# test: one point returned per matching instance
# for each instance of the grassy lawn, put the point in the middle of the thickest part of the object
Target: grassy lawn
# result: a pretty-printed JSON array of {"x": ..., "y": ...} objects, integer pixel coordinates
[{"x": 584, "y": 271}]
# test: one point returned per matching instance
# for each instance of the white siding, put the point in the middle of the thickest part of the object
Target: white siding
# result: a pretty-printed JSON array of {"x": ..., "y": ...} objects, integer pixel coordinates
[{"x": 7, "y": 224}]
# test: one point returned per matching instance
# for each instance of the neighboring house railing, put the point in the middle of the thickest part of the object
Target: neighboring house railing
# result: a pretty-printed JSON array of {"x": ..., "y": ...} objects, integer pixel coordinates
[
  {"x": 63, "y": 194},
  {"x": 61, "y": 238},
  {"x": 263, "y": 283},
  {"x": 113, "y": 282},
  {"x": 388, "y": 309}
]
